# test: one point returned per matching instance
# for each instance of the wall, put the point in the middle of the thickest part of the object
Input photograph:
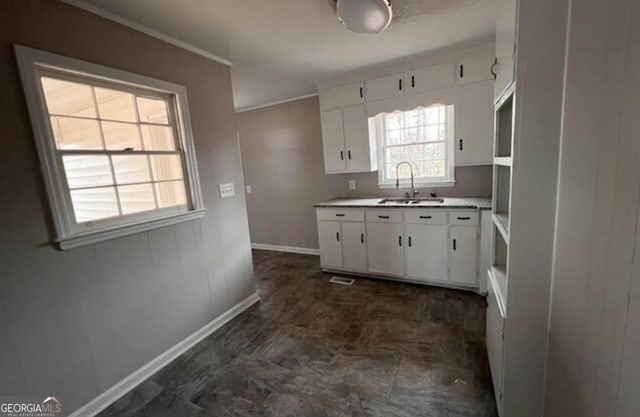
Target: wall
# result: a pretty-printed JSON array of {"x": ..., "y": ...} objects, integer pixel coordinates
[
  {"x": 74, "y": 323},
  {"x": 283, "y": 163},
  {"x": 593, "y": 367}
]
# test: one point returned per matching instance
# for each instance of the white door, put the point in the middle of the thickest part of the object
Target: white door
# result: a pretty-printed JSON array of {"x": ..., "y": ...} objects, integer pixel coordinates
[
  {"x": 333, "y": 141},
  {"x": 356, "y": 137},
  {"x": 346, "y": 95},
  {"x": 385, "y": 87},
  {"x": 505, "y": 44},
  {"x": 426, "y": 252},
  {"x": 475, "y": 68},
  {"x": 385, "y": 248},
  {"x": 354, "y": 246},
  {"x": 473, "y": 121},
  {"x": 330, "y": 240},
  {"x": 463, "y": 255},
  {"x": 495, "y": 342},
  {"x": 429, "y": 78}
]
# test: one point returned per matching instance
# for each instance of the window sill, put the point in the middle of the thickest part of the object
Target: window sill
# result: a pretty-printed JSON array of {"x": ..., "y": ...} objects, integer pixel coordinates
[
  {"x": 434, "y": 184},
  {"x": 83, "y": 239}
]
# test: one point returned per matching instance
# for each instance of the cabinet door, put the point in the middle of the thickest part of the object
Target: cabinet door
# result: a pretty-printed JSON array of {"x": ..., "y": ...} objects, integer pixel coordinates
[
  {"x": 385, "y": 248},
  {"x": 495, "y": 341},
  {"x": 463, "y": 255},
  {"x": 333, "y": 141},
  {"x": 346, "y": 95},
  {"x": 505, "y": 44},
  {"x": 429, "y": 78},
  {"x": 426, "y": 252},
  {"x": 354, "y": 249},
  {"x": 385, "y": 87},
  {"x": 476, "y": 68},
  {"x": 474, "y": 125},
  {"x": 330, "y": 240},
  {"x": 356, "y": 137}
]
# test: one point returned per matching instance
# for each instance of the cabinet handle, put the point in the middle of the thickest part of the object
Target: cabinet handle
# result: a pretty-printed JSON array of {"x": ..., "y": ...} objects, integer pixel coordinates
[
  {"x": 409, "y": 241},
  {"x": 461, "y": 71},
  {"x": 361, "y": 92},
  {"x": 495, "y": 74},
  {"x": 454, "y": 244},
  {"x": 461, "y": 144},
  {"x": 383, "y": 217},
  {"x": 349, "y": 154},
  {"x": 399, "y": 240},
  {"x": 342, "y": 155},
  {"x": 464, "y": 218},
  {"x": 426, "y": 217},
  {"x": 338, "y": 236},
  {"x": 413, "y": 81},
  {"x": 361, "y": 237},
  {"x": 339, "y": 215},
  {"x": 400, "y": 84}
]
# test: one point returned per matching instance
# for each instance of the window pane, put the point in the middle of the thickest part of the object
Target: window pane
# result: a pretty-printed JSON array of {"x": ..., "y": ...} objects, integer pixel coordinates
[
  {"x": 68, "y": 98},
  {"x": 434, "y": 151},
  {"x": 158, "y": 138},
  {"x": 434, "y": 132},
  {"x": 136, "y": 198},
  {"x": 115, "y": 105},
  {"x": 171, "y": 194},
  {"x": 434, "y": 168},
  {"x": 131, "y": 168},
  {"x": 121, "y": 136},
  {"x": 412, "y": 135},
  {"x": 152, "y": 111},
  {"x": 414, "y": 118},
  {"x": 166, "y": 167},
  {"x": 394, "y": 121},
  {"x": 72, "y": 133},
  {"x": 87, "y": 170},
  {"x": 94, "y": 204},
  {"x": 394, "y": 137}
]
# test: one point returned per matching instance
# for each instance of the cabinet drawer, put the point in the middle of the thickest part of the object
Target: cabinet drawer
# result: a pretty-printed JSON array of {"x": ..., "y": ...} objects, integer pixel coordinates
[
  {"x": 425, "y": 217},
  {"x": 384, "y": 216},
  {"x": 464, "y": 218},
  {"x": 348, "y": 215}
]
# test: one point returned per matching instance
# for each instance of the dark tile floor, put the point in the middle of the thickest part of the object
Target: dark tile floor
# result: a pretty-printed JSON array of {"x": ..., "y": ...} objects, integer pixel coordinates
[{"x": 312, "y": 348}]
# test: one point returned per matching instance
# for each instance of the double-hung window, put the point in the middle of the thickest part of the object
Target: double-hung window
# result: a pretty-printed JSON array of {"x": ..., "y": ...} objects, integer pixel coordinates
[
  {"x": 116, "y": 148},
  {"x": 424, "y": 138}
]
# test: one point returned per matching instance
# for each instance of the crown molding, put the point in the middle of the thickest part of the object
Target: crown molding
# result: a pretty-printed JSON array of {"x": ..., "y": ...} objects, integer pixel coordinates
[
  {"x": 81, "y": 4},
  {"x": 275, "y": 103}
]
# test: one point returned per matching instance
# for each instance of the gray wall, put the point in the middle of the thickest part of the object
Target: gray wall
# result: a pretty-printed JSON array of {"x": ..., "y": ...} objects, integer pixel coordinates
[
  {"x": 74, "y": 323},
  {"x": 283, "y": 163}
]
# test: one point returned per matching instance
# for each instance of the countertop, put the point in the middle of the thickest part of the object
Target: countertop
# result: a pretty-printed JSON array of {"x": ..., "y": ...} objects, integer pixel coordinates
[{"x": 449, "y": 203}]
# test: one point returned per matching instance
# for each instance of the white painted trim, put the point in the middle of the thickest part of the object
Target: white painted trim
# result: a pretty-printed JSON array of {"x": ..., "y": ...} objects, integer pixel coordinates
[
  {"x": 81, "y": 4},
  {"x": 275, "y": 103},
  {"x": 118, "y": 390},
  {"x": 288, "y": 249}
]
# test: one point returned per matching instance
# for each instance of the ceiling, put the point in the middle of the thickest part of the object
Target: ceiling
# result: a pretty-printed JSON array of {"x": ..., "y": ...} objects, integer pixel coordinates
[{"x": 282, "y": 49}]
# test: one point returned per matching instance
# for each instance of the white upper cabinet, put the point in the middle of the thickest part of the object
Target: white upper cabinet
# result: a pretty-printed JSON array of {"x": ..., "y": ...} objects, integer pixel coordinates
[
  {"x": 333, "y": 141},
  {"x": 356, "y": 137},
  {"x": 474, "y": 125},
  {"x": 429, "y": 78},
  {"x": 473, "y": 69},
  {"x": 505, "y": 44},
  {"x": 385, "y": 87},
  {"x": 347, "y": 95}
]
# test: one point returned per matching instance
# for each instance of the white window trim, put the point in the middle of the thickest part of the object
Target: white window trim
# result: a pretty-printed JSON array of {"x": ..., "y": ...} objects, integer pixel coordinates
[
  {"x": 30, "y": 63},
  {"x": 448, "y": 181}
]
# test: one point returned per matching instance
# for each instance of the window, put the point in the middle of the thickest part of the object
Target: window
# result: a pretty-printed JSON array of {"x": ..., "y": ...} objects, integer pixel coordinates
[
  {"x": 116, "y": 148},
  {"x": 424, "y": 138}
]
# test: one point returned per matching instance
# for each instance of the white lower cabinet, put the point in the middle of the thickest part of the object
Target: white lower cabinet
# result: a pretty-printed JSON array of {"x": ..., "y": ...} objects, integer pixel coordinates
[
  {"x": 495, "y": 338},
  {"x": 463, "y": 255},
  {"x": 330, "y": 243},
  {"x": 354, "y": 248},
  {"x": 385, "y": 248},
  {"x": 426, "y": 252}
]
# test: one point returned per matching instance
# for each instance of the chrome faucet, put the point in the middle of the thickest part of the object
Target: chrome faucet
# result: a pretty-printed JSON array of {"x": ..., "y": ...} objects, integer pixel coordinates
[{"x": 413, "y": 192}]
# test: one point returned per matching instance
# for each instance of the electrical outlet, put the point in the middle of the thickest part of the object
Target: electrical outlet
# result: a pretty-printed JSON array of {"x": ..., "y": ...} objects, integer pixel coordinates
[
  {"x": 248, "y": 187},
  {"x": 352, "y": 184},
  {"x": 227, "y": 190}
]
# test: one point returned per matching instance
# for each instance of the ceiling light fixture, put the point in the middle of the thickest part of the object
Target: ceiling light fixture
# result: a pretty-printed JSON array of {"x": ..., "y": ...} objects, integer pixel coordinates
[{"x": 365, "y": 16}]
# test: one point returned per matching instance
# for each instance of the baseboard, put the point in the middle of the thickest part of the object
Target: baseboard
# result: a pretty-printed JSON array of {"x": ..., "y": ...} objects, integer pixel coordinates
[
  {"x": 114, "y": 393},
  {"x": 288, "y": 249}
]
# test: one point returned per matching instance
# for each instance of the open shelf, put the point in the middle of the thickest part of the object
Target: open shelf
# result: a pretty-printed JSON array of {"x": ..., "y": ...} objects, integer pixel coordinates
[
  {"x": 502, "y": 198},
  {"x": 501, "y": 222},
  {"x": 504, "y": 127},
  {"x": 504, "y": 161}
]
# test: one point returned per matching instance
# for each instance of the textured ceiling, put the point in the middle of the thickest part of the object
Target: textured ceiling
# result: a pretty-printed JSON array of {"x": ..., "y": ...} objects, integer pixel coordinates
[{"x": 285, "y": 48}]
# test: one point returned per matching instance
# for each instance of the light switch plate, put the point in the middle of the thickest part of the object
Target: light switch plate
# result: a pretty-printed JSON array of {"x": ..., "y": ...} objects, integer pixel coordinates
[
  {"x": 227, "y": 190},
  {"x": 352, "y": 184},
  {"x": 248, "y": 189}
]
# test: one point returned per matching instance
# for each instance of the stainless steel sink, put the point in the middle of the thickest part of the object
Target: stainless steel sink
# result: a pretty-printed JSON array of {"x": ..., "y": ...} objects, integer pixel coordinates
[{"x": 410, "y": 201}]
